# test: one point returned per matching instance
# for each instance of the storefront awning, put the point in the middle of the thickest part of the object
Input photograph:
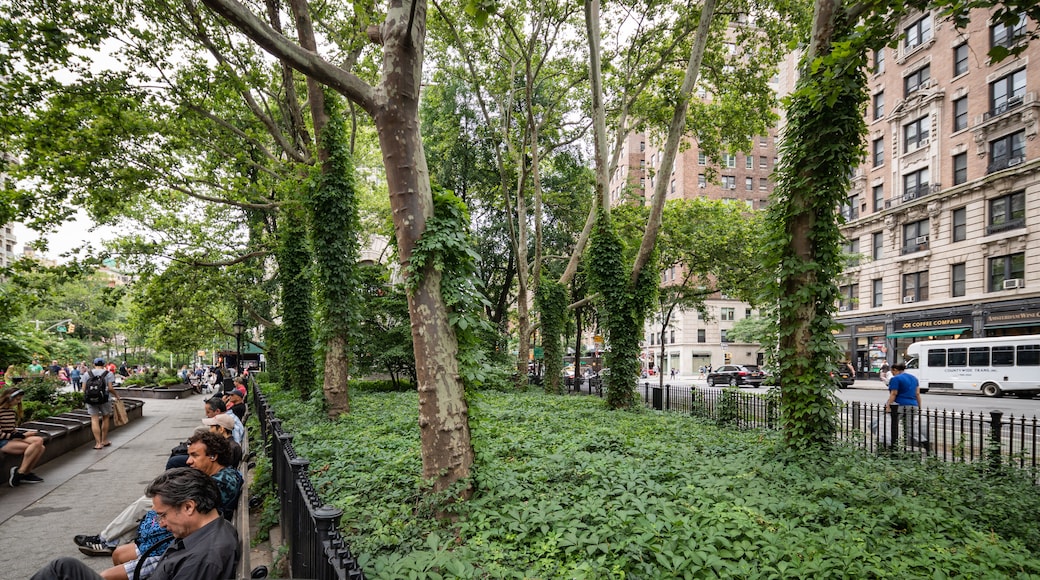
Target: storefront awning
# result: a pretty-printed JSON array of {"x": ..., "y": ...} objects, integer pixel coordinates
[{"x": 935, "y": 332}]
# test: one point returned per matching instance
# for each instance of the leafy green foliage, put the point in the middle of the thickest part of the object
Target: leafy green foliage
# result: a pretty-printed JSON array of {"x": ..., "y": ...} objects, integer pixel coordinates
[
  {"x": 296, "y": 341},
  {"x": 44, "y": 398},
  {"x": 623, "y": 309},
  {"x": 567, "y": 489},
  {"x": 551, "y": 301},
  {"x": 383, "y": 339},
  {"x": 446, "y": 247},
  {"x": 334, "y": 226}
]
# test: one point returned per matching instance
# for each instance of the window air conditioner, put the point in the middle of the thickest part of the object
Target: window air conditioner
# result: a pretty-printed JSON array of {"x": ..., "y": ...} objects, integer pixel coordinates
[
  {"x": 700, "y": 185},
  {"x": 732, "y": 186},
  {"x": 921, "y": 240},
  {"x": 843, "y": 308},
  {"x": 1014, "y": 283},
  {"x": 908, "y": 299},
  {"x": 1014, "y": 101}
]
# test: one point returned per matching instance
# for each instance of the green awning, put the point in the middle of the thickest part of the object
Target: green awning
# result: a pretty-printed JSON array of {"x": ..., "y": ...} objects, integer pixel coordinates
[{"x": 935, "y": 332}]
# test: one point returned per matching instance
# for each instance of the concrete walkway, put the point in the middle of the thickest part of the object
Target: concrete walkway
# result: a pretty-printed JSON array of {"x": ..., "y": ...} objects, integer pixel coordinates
[{"x": 84, "y": 489}]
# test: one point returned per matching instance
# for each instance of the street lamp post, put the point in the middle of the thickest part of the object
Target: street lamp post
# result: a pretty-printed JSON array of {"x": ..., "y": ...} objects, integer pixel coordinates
[
  {"x": 126, "y": 341},
  {"x": 239, "y": 327}
]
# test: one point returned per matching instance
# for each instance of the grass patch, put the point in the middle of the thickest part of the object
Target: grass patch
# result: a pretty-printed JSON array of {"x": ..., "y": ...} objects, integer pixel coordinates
[{"x": 567, "y": 489}]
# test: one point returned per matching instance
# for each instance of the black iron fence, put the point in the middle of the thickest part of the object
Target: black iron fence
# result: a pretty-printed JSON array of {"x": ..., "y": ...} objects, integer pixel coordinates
[
  {"x": 310, "y": 527},
  {"x": 954, "y": 436}
]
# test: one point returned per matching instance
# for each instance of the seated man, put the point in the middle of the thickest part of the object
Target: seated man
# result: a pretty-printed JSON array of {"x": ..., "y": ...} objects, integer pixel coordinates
[
  {"x": 216, "y": 421},
  {"x": 205, "y": 545},
  {"x": 208, "y": 453}
]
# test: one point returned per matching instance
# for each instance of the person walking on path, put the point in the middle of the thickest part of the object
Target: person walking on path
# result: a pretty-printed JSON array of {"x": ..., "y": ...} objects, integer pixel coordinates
[
  {"x": 903, "y": 388},
  {"x": 28, "y": 444},
  {"x": 98, "y": 390}
]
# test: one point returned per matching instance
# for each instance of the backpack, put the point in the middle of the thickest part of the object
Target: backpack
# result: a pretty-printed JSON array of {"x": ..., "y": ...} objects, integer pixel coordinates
[{"x": 96, "y": 391}]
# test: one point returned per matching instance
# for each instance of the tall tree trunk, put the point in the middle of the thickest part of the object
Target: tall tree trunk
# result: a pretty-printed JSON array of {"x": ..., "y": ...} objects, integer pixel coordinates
[{"x": 447, "y": 454}]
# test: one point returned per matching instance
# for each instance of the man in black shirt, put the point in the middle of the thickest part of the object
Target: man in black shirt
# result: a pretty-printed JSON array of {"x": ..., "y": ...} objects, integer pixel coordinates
[{"x": 205, "y": 547}]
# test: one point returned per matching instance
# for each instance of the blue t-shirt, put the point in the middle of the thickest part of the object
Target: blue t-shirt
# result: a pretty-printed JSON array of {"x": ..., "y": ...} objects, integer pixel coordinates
[{"x": 905, "y": 386}]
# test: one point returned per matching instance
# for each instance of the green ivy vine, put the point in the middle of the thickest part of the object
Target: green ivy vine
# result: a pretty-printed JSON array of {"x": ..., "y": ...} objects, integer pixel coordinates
[
  {"x": 296, "y": 343},
  {"x": 551, "y": 301},
  {"x": 822, "y": 144},
  {"x": 623, "y": 308},
  {"x": 447, "y": 247},
  {"x": 334, "y": 221}
]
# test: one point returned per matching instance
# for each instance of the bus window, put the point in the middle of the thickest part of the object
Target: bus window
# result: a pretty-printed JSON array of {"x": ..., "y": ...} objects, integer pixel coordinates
[
  {"x": 911, "y": 364},
  {"x": 978, "y": 356},
  {"x": 1003, "y": 356},
  {"x": 957, "y": 357},
  {"x": 1029, "y": 355},
  {"x": 937, "y": 357}
]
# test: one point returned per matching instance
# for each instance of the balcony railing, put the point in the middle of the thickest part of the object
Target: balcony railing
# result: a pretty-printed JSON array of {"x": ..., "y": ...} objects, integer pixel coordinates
[
  {"x": 1005, "y": 163},
  {"x": 1002, "y": 108},
  {"x": 1008, "y": 225}
]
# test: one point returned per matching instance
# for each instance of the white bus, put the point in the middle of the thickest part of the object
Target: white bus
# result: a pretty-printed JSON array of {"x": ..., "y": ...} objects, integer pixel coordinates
[{"x": 995, "y": 366}]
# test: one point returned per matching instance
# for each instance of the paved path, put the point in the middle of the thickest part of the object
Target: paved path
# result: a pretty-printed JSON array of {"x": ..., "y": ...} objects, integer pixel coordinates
[{"x": 84, "y": 488}]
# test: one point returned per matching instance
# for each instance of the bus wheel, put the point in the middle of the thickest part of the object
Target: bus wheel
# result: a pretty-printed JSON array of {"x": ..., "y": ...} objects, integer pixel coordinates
[{"x": 992, "y": 390}]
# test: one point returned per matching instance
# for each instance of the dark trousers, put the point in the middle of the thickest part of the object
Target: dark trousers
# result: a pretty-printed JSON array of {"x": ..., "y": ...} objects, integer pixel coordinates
[{"x": 66, "y": 569}]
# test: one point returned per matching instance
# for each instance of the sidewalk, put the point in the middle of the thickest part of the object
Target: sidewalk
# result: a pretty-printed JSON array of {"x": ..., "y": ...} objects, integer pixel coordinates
[{"x": 84, "y": 489}]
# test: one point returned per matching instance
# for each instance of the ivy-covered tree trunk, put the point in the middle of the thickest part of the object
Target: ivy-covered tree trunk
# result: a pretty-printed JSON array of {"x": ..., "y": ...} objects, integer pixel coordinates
[
  {"x": 551, "y": 300},
  {"x": 820, "y": 147},
  {"x": 296, "y": 342},
  {"x": 334, "y": 228}
]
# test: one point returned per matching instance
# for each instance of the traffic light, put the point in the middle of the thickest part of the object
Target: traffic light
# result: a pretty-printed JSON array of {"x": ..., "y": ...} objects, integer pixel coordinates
[
  {"x": 727, "y": 357},
  {"x": 71, "y": 328}
]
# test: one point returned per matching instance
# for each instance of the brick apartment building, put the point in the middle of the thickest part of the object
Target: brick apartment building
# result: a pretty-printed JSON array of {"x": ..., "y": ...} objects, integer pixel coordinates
[{"x": 944, "y": 214}]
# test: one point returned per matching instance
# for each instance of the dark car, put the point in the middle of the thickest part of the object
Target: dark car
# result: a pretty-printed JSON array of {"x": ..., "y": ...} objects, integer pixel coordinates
[
  {"x": 736, "y": 375},
  {"x": 844, "y": 376}
]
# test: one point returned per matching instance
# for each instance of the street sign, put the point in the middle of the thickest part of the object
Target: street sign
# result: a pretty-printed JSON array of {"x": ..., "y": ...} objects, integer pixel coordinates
[
  {"x": 201, "y": 353},
  {"x": 539, "y": 353}
]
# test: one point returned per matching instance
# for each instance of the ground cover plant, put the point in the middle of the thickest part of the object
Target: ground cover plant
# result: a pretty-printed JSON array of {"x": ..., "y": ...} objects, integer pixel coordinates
[{"x": 567, "y": 489}]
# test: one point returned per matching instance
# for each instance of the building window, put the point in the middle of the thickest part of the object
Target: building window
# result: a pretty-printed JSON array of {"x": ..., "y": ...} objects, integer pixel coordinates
[
  {"x": 960, "y": 59},
  {"x": 642, "y": 163},
  {"x": 915, "y": 287},
  {"x": 763, "y": 162},
  {"x": 1005, "y": 268},
  {"x": 958, "y": 275},
  {"x": 878, "y": 148},
  {"x": 960, "y": 114},
  {"x": 730, "y": 160},
  {"x": 877, "y": 244},
  {"x": 879, "y": 197},
  {"x": 879, "y": 60},
  {"x": 960, "y": 224},
  {"x": 1008, "y": 151},
  {"x": 701, "y": 181},
  {"x": 729, "y": 182},
  {"x": 916, "y": 80},
  {"x": 763, "y": 183},
  {"x": 852, "y": 255},
  {"x": 702, "y": 159},
  {"x": 672, "y": 185},
  {"x": 749, "y": 183},
  {"x": 642, "y": 146},
  {"x": 850, "y": 209},
  {"x": 849, "y": 297},
  {"x": 915, "y": 184},
  {"x": 879, "y": 105},
  {"x": 723, "y": 335},
  {"x": 671, "y": 336},
  {"x": 915, "y": 236},
  {"x": 915, "y": 134},
  {"x": 1007, "y": 212},
  {"x": 747, "y": 313},
  {"x": 918, "y": 33},
  {"x": 1007, "y": 92},
  {"x": 642, "y": 183},
  {"x": 960, "y": 168},
  {"x": 876, "y": 293},
  {"x": 762, "y": 140},
  {"x": 1007, "y": 35},
  {"x": 727, "y": 313},
  {"x": 749, "y": 162},
  {"x": 701, "y": 335}
]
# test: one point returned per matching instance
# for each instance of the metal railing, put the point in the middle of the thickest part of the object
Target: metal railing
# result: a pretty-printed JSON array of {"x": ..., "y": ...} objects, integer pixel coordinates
[
  {"x": 952, "y": 436},
  {"x": 310, "y": 527}
]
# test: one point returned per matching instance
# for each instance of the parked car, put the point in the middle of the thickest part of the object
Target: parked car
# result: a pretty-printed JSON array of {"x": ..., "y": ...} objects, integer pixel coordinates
[{"x": 736, "y": 375}]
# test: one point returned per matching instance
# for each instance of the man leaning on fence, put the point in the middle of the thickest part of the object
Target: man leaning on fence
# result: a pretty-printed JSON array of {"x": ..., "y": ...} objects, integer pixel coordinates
[{"x": 902, "y": 388}]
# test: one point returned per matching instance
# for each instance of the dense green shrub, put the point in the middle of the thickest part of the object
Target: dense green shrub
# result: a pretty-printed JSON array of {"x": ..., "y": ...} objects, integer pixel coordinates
[
  {"x": 566, "y": 489},
  {"x": 46, "y": 396}
]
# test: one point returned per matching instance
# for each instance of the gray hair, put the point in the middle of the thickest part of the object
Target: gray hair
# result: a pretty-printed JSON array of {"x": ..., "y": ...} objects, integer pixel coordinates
[{"x": 176, "y": 486}]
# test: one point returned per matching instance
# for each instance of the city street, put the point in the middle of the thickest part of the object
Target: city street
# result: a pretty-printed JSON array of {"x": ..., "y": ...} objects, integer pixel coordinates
[{"x": 874, "y": 392}]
